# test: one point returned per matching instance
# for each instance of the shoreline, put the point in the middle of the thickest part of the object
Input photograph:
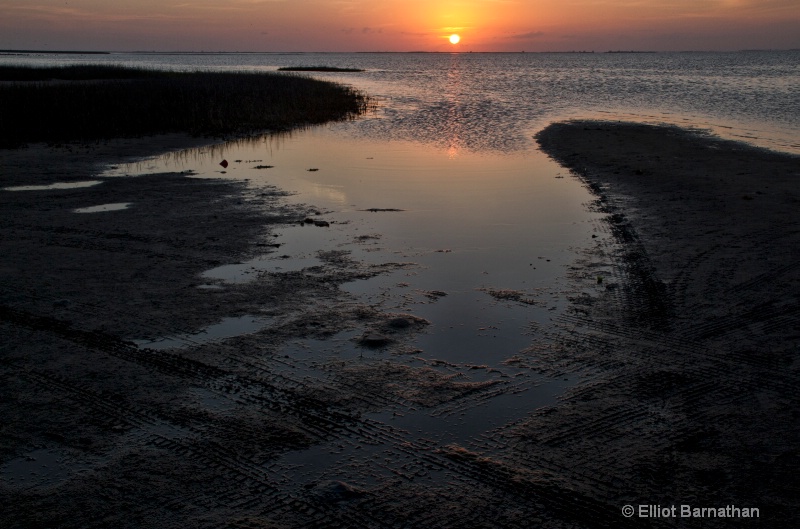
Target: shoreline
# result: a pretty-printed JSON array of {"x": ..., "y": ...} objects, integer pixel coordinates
[
  {"x": 682, "y": 197},
  {"x": 92, "y": 270},
  {"x": 664, "y": 412},
  {"x": 43, "y": 163},
  {"x": 690, "y": 337}
]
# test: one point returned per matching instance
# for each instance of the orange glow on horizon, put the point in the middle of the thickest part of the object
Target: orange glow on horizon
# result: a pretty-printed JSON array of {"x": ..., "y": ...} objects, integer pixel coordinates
[{"x": 398, "y": 25}]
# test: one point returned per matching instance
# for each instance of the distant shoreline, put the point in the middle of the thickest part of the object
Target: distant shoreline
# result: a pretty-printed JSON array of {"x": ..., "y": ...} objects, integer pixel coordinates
[
  {"x": 444, "y": 52},
  {"x": 59, "y": 52}
]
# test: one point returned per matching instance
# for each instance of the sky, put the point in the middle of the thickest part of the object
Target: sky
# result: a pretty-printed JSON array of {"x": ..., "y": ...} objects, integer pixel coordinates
[{"x": 399, "y": 25}]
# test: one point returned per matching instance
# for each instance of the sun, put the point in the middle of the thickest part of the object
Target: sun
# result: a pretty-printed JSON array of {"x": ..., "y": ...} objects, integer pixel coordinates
[{"x": 454, "y": 39}]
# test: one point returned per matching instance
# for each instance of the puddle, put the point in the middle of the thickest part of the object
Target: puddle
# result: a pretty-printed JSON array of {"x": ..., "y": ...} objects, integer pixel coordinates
[
  {"x": 58, "y": 185},
  {"x": 227, "y": 328},
  {"x": 491, "y": 237},
  {"x": 299, "y": 250},
  {"x": 247, "y": 271},
  {"x": 104, "y": 207}
]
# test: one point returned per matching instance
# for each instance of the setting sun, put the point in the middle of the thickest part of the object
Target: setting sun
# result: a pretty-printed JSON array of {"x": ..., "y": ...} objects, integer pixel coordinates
[{"x": 454, "y": 39}]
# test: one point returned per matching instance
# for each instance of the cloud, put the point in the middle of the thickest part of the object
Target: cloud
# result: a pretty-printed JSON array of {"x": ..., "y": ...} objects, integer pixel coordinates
[
  {"x": 229, "y": 4},
  {"x": 364, "y": 31},
  {"x": 528, "y": 36},
  {"x": 695, "y": 8},
  {"x": 60, "y": 13}
]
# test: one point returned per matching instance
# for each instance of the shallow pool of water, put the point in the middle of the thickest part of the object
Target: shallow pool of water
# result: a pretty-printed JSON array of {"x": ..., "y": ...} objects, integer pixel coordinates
[
  {"x": 474, "y": 224},
  {"x": 57, "y": 185},
  {"x": 226, "y": 328},
  {"x": 117, "y": 206},
  {"x": 487, "y": 236}
]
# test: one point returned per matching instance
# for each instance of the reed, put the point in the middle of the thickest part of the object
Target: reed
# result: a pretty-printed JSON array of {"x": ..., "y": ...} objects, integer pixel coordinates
[
  {"x": 78, "y": 103},
  {"x": 317, "y": 69}
]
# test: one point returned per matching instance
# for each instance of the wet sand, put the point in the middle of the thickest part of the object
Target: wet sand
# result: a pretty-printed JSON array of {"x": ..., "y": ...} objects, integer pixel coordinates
[
  {"x": 685, "y": 337},
  {"x": 692, "y": 332}
]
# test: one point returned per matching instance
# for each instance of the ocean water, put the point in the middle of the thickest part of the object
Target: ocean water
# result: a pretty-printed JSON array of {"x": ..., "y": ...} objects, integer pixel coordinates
[
  {"x": 494, "y": 102},
  {"x": 487, "y": 223}
]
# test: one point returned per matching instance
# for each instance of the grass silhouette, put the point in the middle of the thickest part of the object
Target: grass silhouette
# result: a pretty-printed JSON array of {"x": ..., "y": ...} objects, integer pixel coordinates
[{"x": 79, "y": 103}]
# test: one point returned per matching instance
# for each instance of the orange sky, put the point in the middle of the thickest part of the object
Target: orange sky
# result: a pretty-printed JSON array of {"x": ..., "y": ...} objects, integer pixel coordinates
[{"x": 399, "y": 25}]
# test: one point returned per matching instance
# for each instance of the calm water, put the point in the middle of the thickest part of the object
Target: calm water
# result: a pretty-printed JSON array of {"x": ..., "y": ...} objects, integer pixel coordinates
[
  {"x": 451, "y": 145},
  {"x": 496, "y": 101}
]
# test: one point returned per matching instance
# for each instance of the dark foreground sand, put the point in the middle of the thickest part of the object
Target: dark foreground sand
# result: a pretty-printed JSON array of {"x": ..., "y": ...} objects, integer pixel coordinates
[
  {"x": 695, "y": 336},
  {"x": 686, "y": 337}
]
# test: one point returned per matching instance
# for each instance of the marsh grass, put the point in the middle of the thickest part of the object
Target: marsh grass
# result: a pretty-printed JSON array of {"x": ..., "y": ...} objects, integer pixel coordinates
[
  {"x": 317, "y": 69},
  {"x": 76, "y": 103}
]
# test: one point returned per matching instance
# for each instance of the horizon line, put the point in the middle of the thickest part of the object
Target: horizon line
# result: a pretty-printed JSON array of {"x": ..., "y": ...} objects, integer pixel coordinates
[{"x": 221, "y": 52}]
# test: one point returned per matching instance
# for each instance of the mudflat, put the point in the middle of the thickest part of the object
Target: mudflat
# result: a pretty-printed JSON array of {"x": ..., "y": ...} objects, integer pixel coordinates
[
  {"x": 693, "y": 329},
  {"x": 684, "y": 344}
]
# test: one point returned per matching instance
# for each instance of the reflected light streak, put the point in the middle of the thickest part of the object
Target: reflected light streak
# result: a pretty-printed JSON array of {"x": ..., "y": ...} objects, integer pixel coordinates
[{"x": 453, "y": 125}]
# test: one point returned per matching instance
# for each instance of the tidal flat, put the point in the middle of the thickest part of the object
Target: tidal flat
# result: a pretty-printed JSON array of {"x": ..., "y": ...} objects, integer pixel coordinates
[{"x": 668, "y": 370}]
